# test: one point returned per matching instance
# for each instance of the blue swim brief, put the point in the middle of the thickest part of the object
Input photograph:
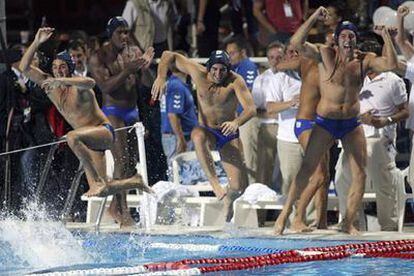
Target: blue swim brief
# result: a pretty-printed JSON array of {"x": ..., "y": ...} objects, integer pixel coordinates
[
  {"x": 302, "y": 125},
  {"x": 336, "y": 127},
  {"x": 221, "y": 139},
  {"x": 128, "y": 115},
  {"x": 111, "y": 129}
]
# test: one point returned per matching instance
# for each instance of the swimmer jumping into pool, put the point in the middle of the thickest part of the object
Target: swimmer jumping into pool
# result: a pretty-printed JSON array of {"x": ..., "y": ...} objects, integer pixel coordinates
[{"x": 75, "y": 100}]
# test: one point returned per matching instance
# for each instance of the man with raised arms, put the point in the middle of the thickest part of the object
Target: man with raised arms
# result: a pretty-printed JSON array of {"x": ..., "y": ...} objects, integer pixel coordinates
[
  {"x": 341, "y": 72},
  {"x": 219, "y": 91},
  {"x": 115, "y": 68},
  {"x": 75, "y": 100}
]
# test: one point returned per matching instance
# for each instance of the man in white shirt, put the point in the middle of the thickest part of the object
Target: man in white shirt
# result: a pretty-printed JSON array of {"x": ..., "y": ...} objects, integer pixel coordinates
[
  {"x": 283, "y": 99},
  {"x": 406, "y": 69},
  {"x": 383, "y": 100},
  {"x": 267, "y": 144}
]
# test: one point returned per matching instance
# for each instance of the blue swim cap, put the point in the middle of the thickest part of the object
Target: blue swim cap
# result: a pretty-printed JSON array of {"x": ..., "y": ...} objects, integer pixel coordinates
[
  {"x": 114, "y": 23},
  {"x": 218, "y": 56},
  {"x": 65, "y": 56},
  {"x": 345, "y": 25}
]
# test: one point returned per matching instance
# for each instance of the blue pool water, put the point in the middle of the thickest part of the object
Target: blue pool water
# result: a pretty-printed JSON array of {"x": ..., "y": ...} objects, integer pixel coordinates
[{"x": 110, "y": 250}]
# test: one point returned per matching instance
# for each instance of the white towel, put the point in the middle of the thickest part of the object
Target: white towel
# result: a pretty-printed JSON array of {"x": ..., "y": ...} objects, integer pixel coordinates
[
  {"x": 257, "y": 192},
  {"x": 165, "y": 191}
]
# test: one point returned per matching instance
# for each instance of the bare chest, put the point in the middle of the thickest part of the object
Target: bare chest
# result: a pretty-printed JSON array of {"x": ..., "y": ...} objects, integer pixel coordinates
[
  {"x": 70, "y": 101},
  {"x": 215, "y": 96},
  {"x": 346, "y": 75}
]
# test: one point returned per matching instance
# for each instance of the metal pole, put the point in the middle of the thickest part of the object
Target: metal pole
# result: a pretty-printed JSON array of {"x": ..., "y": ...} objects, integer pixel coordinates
[
  {"x": 3, "y": 46},
  {"x": 144, "y": 213},
  {"x": 72, "y": 193},
  {"x": 45, "y": 171}
]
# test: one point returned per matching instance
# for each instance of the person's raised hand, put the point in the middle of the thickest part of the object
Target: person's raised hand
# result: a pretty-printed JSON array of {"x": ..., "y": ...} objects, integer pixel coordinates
[
  {"x": 43, "y": 34},
  {"x": 322, "y": 13},
  {"x": 50, "y": 83},
  {"x": 403, "y": 11},
  {"x": 147, "y": 57}
]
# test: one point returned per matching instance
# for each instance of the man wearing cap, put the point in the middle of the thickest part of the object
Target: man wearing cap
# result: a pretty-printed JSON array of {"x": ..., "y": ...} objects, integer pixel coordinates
[
  {"x": 341, "y": 74},
  {"x": 219, "y": 91},
  {"x": 115, "y": 67},
  {"x": 75, "y": 100}
]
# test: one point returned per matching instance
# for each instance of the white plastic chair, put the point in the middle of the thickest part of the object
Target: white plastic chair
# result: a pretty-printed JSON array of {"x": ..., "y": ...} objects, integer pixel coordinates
[
  {"x": 210, "y": 208},
  {"x": 402, "y": 196}
]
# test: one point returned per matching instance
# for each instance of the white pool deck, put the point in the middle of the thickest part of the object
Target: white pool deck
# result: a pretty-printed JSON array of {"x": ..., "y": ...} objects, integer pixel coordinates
[{"x": 264, "y": 232}]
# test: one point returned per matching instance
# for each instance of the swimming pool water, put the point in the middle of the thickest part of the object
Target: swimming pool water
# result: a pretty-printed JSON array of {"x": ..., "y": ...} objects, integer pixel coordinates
[{"x": 111, "y": 250}]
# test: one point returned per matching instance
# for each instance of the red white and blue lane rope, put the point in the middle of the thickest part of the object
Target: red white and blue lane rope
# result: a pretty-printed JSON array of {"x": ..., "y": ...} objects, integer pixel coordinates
[{"x": 403, "y": 249}]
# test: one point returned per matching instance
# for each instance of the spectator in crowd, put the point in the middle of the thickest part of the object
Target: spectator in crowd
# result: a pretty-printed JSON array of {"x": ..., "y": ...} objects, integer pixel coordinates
[
  {"x": 78, "y": 51},
  {"x": 268, "y": 125},
  {"x": 280, "y": 18},
  {"x": 383, "y": 100},
  {"x": 208, "y": 20},
  {"x": 178, "y": 115},
  {"x": 150, "y": 22},
  {"x": 219, "y": 91},
  {"x": 283, "y": 101},
  {"x": 241, "y": 12},
  {"x": 406, "y": 69},
  {"x": 336, "y": 12},
  {"x": 115, "y": 67},
  {"x": 24, "y": 122},
  {"x": 242, "y": 65}
]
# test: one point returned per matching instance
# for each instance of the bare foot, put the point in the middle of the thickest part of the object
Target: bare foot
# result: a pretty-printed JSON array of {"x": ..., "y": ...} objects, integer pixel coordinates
[
  {"x": 299, "y": 227},
  {"x": 127, "y": 220},
  {"x": 94, "y": 190},
  {"x": 219, "y": 191},
  {"x": 229, "y": 198},
  {"x": 280, "y": 225},
  {"x": 321, "y": 225},
  {"x": 141, "y": 185},
  {"x": 350, "y": 229}
]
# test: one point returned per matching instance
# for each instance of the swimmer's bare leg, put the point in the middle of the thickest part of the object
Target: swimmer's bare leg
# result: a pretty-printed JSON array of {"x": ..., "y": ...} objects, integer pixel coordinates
[
  {"x": 201, "y": 138},
  {"x": 89, "y": 144},
  {"x": 318, "y": 144},
  {"x": 354, "y": 144},
  {"x": 232, "y": 159}
]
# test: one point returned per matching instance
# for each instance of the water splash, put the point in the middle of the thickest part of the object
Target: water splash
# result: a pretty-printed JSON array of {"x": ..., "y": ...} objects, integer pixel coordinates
[{"x": 38, "y": 242}]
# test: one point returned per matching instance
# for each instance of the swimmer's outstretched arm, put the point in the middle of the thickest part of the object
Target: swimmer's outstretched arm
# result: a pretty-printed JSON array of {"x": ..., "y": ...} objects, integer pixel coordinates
[
  {"x": 298, "y": 40},
  {"x": 182, "y": 63},
  {"x": 79, "y": 82},
  {"x": 401, "y": 39},
  {"x": 292, "y": 64},
  {"x": 33, "y": 73}
]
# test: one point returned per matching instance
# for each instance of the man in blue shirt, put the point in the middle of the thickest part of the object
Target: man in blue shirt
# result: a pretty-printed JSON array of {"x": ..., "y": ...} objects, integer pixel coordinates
[
  {"x": 178, "y": 115},
  {"x": 242, "y": 65}
]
